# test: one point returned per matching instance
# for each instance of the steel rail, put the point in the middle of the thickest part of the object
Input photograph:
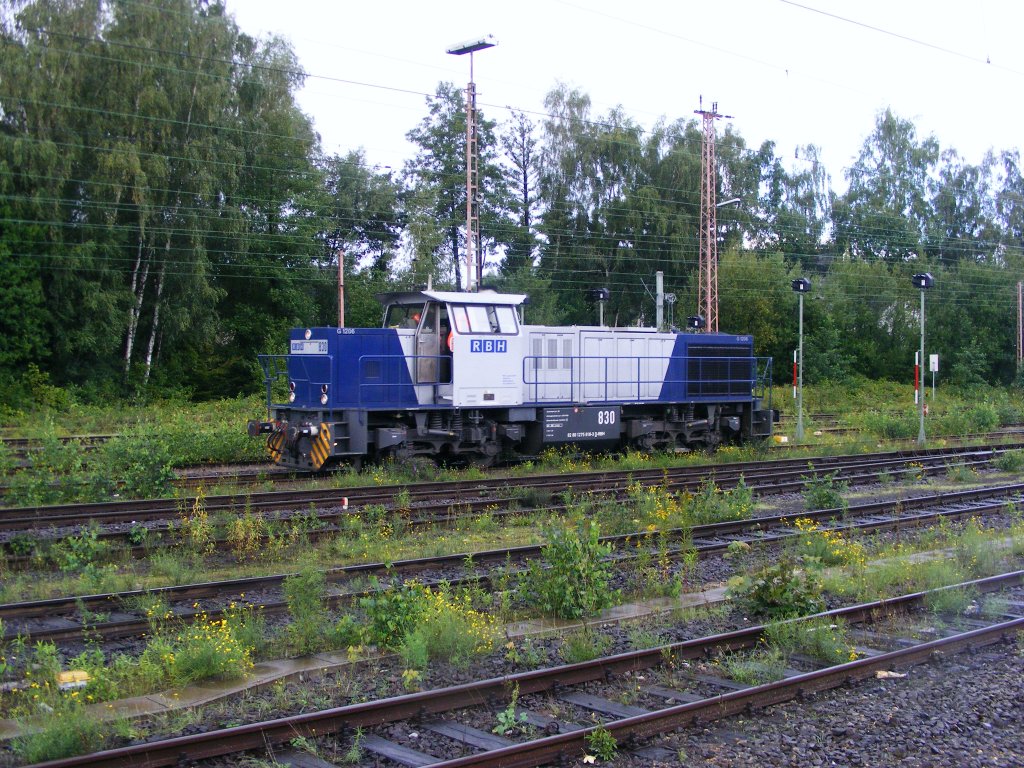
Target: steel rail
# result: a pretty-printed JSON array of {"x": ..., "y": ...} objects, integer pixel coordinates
[
  {"x": 558, "y": 747},
  {"x": 416, "y": 490},
  {"x": 28, "y": 518}
]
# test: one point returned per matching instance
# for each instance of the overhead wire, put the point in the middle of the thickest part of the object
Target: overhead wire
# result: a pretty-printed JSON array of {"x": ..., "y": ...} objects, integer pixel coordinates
[{"x": 275, "y": 169}]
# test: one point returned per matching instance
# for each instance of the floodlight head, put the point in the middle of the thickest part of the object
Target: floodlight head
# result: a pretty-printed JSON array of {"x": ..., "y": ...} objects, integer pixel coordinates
[
  {"x": 472, "y": 46},
  {"x": 923, "y": 280},
  {"x": 801, "y": 285}
]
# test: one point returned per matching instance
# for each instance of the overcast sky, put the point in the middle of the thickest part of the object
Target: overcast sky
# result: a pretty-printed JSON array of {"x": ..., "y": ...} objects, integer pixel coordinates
[{"x": 786, "y": 72}]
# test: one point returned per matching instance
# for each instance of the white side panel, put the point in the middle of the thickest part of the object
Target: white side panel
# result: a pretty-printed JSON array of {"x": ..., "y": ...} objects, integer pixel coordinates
[
  {"x": 548, "y": 365},
  {"x": 487, "y": 370},
  {"x": 624, "y": 365}
]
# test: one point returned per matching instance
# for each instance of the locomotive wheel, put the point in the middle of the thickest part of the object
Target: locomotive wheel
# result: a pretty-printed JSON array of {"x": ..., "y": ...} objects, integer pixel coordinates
[{"x": 480, "y": 460}]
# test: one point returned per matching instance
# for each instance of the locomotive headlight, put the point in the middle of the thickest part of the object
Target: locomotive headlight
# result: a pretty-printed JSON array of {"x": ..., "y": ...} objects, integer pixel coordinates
[
  {"x": 309, "y": 334},
  {"x": 291, "y": 386},
  {"x": 323, "y": 388},
  {"x": 291, "y": 397},
  {"x": 323, "y": 399}
]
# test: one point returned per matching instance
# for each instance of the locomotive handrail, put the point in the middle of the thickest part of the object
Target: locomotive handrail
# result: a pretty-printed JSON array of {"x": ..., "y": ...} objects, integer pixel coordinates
[
  {"x": 275, "y": 367},
  {"x": 390, "y": 383},
  {"x": 693, "y": 383}
]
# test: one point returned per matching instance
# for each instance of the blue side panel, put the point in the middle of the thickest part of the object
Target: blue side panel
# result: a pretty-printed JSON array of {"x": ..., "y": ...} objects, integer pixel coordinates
[
  {"x": 710, "y": 367},
  {"x": 361, "y": 367}
]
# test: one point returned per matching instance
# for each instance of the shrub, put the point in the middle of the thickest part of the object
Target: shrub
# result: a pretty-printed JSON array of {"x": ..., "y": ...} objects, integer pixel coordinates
[
  {"x": 245, "y": 535},
  {"x": 960, "y": 473},
  {"x": 650, "y": 507},
  {"x": 824, "y": 639},
  {"x": 392, "y": 613},
  {"x": 1010, "y": 461},
  {"x": 817, "y": 545},
  {"x": 204, "y": 649},
  {"x": 713, "y": 505},
  {"x": 890, "y": 426},
  {"x": 194, "y": 526},
  {"x": 779, "y": 590},
  {"x": 67, "y": 731},
  {"x": 824, "y": 492},
  {"x": 448, "y": 628},
  {"x": 135, "y": 465},
  {"x": 950, "y": 601},
  {"x": 73, "y": 553},
  {"x": 574, "y": 580},
  {"x": 762, "y": 665},
  {"x": 602, "y": 744},
  {"x": 306, "y": 593},
  {"x": 583, "y": 645}
]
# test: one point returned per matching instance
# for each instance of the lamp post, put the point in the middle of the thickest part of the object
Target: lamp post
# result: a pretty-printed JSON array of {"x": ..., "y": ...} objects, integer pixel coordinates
[
  {"x": 599, "y": 296},
  {"x": 474, "y": 265},
  {"x": 801, "y": 286},
  {"x": 922, "y": 281}
]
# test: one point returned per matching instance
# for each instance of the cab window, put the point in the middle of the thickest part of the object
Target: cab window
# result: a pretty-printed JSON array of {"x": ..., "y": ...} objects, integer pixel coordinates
[
  {"x": 403, "y": 316},
  {"x": 484, "y": 318}
]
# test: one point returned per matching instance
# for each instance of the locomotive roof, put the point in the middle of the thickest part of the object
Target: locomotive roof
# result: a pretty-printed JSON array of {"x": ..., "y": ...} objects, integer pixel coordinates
[{"x": 452, "y": 297}]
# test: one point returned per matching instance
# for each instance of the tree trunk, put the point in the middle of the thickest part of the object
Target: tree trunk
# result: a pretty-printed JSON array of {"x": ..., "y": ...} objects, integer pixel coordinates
[
  {"x": 138, "y": 291},
  {"x": 155, "y": 329}
]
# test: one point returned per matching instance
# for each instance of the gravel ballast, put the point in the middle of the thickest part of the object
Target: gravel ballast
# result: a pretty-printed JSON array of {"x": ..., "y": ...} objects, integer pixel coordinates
[{"x": 960, "y": 712}]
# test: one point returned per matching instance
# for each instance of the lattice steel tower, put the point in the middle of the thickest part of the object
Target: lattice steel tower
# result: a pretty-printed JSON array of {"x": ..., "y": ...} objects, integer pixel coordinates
[
  {"x": 707, "y": 290},
  {"x": 474, "y": 253},
  {"x": 474, "y": 266}
]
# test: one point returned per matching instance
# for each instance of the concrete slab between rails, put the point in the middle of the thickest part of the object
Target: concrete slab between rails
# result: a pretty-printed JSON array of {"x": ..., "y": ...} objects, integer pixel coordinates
[{"x": 283, "y": 670}]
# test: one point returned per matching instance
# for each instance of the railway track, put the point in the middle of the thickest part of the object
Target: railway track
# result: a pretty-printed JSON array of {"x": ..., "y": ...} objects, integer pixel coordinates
[
  {"x": 61, "y": 620},
  {"x": 779, "y": 476},
  {"x": 449, "y": 727}
]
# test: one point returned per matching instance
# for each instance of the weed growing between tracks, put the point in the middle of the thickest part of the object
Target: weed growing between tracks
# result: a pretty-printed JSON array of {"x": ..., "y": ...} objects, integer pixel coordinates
[{"x": 575, "y": 581}]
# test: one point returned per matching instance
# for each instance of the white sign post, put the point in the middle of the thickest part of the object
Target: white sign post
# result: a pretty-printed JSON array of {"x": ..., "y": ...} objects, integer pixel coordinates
[{"x": 933, "y": 366}]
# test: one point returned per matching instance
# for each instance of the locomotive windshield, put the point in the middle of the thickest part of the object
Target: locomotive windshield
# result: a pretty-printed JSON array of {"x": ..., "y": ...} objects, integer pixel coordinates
[
  {"x": 484, "y": 318},
  {"x": 403, "y": 315}
]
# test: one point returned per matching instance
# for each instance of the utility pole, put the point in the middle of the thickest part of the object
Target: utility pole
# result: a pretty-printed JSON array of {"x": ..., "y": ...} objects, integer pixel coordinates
[
  {"x": 341, "y": 288},
  {"x": 707, "y": 288},
  {"x": 1020, "y": 326},
  {"x": 473, "y": 266},
  {"x": 659, "y": 300},
  {"x": 474, "y": 260}
]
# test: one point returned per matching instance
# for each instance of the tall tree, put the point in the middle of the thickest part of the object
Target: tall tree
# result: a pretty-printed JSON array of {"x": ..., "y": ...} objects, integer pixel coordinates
[
  {"x": 795, "y": 207},
  {"x": 522, "y": 155},
  {"x": 365, "y": 212},
  {"x": 157, "y": 150},
  {"x": 885, "y": 211}
]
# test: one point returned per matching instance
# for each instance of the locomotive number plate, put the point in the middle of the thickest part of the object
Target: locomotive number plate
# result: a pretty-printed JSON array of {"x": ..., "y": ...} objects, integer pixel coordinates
[
  {"x": 580, "y": 424},
  {"x": 314, "y": 347}
]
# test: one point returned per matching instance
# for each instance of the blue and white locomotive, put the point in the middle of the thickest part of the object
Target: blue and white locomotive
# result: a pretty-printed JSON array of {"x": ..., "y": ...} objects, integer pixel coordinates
[{"x": 458, "y": 376}]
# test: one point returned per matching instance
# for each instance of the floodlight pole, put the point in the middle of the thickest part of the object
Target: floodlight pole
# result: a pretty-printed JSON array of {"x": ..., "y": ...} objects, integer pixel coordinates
[
  {"x": 800, "y": 287},
  {"x": 920, "y": 399},
  {"x": 474, "y": 264},
  {"x": 800, "y": 378},
  {"x": 922, "y": 282}
]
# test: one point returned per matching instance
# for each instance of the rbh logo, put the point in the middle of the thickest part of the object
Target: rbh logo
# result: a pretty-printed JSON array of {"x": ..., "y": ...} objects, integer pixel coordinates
[{"x": 488, "y": 345}]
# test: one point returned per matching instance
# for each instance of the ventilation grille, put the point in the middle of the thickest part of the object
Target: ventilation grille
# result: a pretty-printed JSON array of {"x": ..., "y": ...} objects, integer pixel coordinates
[{"x": 715, "y": 369}]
